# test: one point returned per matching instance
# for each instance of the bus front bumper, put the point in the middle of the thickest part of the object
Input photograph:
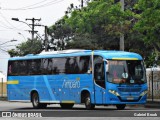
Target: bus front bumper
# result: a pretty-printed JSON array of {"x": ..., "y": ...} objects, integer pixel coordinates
[{"x": 126, "y": 99}]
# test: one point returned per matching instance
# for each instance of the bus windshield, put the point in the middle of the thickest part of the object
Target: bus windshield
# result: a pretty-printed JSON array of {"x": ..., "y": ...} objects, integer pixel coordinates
[{"x": 126, "y": 71}]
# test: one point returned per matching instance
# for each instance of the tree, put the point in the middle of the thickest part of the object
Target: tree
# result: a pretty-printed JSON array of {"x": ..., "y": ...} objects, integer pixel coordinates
[
  {"x": 99, "y": 25},
  {"x": 102, "y": 19},
  {"x": 148, "y": 21},
  {"x": 60, "y": 33},
  {"x": 29, "y": 47},
  {"x": 13, "y": 52}
]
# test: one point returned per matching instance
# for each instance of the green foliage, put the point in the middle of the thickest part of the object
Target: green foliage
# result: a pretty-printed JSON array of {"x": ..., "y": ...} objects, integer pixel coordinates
[
  {"x": 100, "y": 23},
  {"x": 13, "y": 52},
  {"x": 60, "y": 33},
  {"x": 88, "y": 42},
  {"x": 149, "y": 21},
  {"x": 150, "y": 60},
  {"x": 102, "y": 15},
  {"x": 102, "y": 19},
  {"x": 28, "y": 47}
]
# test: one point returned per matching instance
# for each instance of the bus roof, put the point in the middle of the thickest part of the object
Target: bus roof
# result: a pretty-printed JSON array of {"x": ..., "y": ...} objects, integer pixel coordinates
[{"x": 106, "y": 54}]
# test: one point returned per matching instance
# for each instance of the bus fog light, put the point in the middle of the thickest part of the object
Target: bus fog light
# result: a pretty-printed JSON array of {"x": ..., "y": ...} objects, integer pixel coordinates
[
  {"x": 143, "y": 93},
  {"x": 114, "y": 92}
]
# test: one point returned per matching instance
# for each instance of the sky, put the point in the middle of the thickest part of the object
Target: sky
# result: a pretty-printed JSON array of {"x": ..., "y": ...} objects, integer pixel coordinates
[{"x": 49, "y": 11}]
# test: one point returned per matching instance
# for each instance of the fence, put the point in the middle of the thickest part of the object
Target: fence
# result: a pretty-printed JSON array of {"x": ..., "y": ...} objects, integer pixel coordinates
[
  {"x": 153, "y": 80},
  {"x": 3, "y": 89}
]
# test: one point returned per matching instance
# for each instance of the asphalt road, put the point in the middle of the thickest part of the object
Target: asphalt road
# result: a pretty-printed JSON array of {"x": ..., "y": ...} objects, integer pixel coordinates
[{"x": 18, "y": 109}]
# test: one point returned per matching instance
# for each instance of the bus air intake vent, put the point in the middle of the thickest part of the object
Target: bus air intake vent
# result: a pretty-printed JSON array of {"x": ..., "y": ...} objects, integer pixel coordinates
[{"x": 129, "y": 89}]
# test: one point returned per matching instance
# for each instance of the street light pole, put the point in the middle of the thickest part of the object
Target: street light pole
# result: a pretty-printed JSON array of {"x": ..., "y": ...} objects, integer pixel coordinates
[{"x": 16, "y": 19}]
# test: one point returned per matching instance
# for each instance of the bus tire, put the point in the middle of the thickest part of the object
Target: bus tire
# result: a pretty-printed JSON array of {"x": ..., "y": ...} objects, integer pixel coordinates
[
  {"x": 35, "y": 101},
  {"x": 121, "y": 106},
  {"x": 88, "y": 104},
  {"x": 67, "y": 105}
]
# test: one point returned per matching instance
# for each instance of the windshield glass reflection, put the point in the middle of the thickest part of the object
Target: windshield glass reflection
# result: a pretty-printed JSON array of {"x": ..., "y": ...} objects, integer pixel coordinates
[{"x": 129, "y": 71}]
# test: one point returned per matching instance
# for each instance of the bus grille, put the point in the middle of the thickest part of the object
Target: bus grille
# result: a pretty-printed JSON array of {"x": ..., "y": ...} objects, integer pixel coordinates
[{"x": 129, "y": 89}]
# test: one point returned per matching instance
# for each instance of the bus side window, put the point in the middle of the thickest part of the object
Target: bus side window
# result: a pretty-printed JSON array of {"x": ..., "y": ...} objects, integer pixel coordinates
[
  {"x": 31, "y": 65},
  {"x": 49, "y": 67},
  {"x": 84, "y": 64},
  {"x": 71, "y": 65},
  {"x": 23, "y": 68},
  {"x": 10, "y": 68},
  {"x": 38, "y": 66},
  {"x": 54, "y": 66},
  {"x": 59, "y": 65},
  {"x": 15, "y": 68},
  {"x": 44, "y": 64}
]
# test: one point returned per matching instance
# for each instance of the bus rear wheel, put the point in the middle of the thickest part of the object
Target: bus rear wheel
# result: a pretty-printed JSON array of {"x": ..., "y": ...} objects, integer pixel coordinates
[
  {"x": 35, "y": 101},
  {"x": 67, "y": 105},
  {"x": 121, "y": 106},
  {"x": 88, "y": 104}
]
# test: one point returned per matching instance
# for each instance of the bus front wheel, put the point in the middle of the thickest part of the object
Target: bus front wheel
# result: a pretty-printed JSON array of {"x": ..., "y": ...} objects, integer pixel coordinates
[
  {"x": 35, "y": 101},
  {"x": 121, "y": 106},
  {"x": 88, "y": 103}
]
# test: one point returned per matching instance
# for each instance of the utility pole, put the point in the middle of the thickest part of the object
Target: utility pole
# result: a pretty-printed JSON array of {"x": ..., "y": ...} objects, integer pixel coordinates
[
  {"x": 82, "y": 3},
  {"x": 33, "y": 25},
  {"x": 46, "y": 38},
  {"x": 122, "y": 34}
]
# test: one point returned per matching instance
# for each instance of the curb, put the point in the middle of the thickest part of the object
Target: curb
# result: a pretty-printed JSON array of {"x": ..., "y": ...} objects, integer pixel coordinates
[{"x": 152, "y": 104}]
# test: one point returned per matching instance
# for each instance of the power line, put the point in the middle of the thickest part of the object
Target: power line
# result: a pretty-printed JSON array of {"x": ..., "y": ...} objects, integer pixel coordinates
[
  {"x": 40, "y": 6},
  {"x": 3, "y": 50},
  {"x": 7, "y": 46},
  {"x": 47, "y": 4},
  {"x": 3, "y": 25},
  {"x": 6, "y": 23},
  {"x": 6, "y": 19},
  {"x": 7, "y": 27},
  {"x": 32, "y": 4},
  {"x": 10, "y": 29}
]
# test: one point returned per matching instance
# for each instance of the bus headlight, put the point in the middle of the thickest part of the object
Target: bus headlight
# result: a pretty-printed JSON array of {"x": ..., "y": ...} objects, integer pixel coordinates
[
  {"x": 143, "y": 93},
  {"x": 114, "y": 92}
]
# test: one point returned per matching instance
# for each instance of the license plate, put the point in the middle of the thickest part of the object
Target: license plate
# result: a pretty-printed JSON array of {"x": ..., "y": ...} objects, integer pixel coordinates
[{"x": 130, "y": 98}]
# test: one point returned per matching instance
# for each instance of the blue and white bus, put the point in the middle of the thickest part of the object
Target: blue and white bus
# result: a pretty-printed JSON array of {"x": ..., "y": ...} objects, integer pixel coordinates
[{"x": 71, "y": 77}]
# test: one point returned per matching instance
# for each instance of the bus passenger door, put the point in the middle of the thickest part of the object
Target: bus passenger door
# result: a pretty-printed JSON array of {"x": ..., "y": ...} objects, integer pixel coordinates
[{"x": 99, "y": 82}]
